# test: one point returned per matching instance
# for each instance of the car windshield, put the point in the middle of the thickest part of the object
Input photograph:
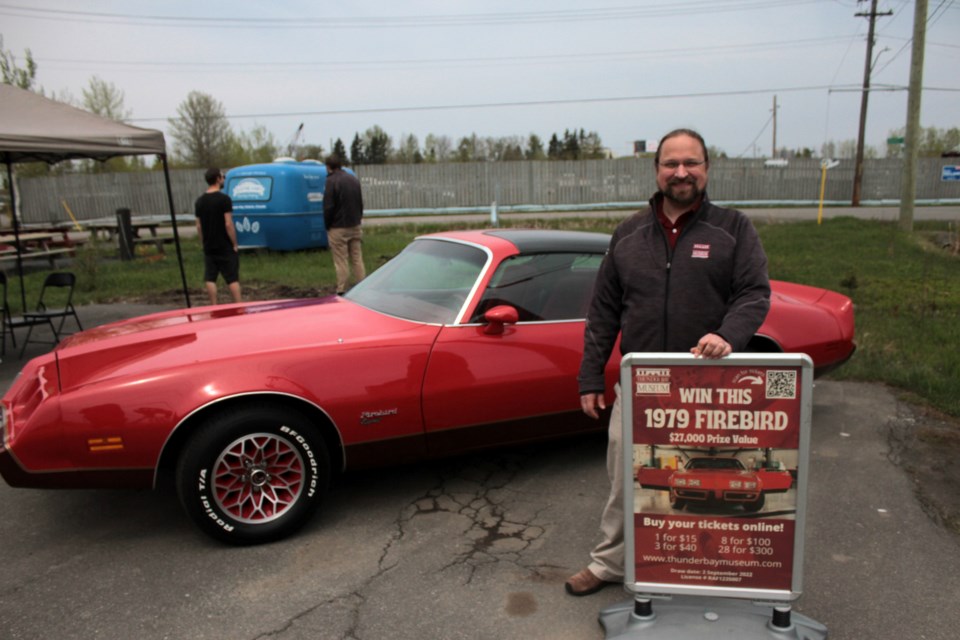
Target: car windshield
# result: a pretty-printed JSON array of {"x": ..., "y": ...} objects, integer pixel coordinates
[
  {"x": 715, "y": 463},
  {"x": 427, "y": 282}
]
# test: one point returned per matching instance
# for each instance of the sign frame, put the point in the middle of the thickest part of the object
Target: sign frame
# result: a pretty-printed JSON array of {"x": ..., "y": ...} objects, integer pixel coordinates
[{"x": 803, "y": 410}]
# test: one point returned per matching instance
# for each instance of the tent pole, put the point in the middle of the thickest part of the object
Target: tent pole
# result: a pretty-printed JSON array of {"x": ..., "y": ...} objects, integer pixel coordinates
[
  {"x": 176, "y": 234},
  {"x": 16, "y": 234}
]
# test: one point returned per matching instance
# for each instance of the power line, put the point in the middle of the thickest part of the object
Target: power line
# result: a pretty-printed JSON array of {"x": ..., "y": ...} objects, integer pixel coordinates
[
  {"x": 246, "y": 67},
  {"x": 538, "y": 103},
  {"x": 531, "y": 103},
  {"x": 754, "y": 141},
  {"x": 417, "y": 21},
  {"x": 942, "y": 8}
]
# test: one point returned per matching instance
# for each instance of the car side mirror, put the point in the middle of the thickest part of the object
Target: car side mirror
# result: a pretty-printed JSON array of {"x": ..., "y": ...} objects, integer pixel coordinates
[{"x": 499, "y": 316}]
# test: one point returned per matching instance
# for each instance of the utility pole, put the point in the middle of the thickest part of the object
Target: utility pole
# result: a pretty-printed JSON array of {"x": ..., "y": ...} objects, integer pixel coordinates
[
  {"x": 908, "y": 185},
  {"x": 867, "y": 68},
  {"x": 773, "y": 152}
]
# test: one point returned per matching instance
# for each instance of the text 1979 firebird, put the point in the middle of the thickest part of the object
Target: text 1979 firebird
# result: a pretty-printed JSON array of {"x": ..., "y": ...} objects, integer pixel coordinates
[{"x": 464, "y": 340}]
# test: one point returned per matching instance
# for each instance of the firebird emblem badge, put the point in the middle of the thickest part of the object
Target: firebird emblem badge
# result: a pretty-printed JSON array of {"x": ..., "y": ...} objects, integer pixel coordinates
[{"x": 373, "y": 417}]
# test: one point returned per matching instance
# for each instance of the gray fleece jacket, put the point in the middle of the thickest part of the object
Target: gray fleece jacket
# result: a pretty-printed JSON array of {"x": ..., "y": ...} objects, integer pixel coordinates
[{"x": 658, "y": 300}]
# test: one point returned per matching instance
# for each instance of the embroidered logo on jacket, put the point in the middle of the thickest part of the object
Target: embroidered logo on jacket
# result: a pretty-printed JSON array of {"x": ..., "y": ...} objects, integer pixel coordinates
[{"x": 700, "y": 251}]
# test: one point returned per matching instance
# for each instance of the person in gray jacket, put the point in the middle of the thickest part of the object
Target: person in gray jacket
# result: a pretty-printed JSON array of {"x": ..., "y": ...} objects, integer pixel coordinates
[{"x": 683, "y": 275}]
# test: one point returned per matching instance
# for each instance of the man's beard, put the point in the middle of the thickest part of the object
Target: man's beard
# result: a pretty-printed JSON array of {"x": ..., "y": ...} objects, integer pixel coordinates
[{"x": 683, "y": 201}]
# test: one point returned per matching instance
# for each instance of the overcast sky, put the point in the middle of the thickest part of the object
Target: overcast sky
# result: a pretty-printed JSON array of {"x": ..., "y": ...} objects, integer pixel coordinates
[{"x": 627, "y": 70}]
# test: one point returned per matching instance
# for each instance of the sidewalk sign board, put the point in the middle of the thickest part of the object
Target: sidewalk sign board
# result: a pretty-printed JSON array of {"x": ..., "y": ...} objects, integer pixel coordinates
[{"x": 715, "y": 479}]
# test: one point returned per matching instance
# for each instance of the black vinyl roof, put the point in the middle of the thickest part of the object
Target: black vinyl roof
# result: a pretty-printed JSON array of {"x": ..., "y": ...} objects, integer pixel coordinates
[{"x": 550, "y": 241}]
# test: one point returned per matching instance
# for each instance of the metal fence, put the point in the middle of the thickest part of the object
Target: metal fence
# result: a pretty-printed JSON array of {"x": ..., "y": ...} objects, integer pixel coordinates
[{"x": 449, "y": 187}]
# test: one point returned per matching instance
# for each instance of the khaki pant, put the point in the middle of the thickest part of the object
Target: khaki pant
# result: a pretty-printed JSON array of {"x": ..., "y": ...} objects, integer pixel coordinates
[
  {"x": 345, "y": 246},
  {"x": 608, "y": 556}
]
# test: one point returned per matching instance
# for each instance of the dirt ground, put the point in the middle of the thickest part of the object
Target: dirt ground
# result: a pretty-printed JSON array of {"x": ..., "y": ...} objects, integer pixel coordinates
[{"x": 927, "y": 445}]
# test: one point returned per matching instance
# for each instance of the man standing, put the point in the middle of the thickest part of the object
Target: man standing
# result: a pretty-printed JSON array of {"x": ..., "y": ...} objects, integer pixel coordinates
[
  {"x": 214, "y": 212},
  {"x": 342, "y": 214},
  {"x": 681, "y": 275}
]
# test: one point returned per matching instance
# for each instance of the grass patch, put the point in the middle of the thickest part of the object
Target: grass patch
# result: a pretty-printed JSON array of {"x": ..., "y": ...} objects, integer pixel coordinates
[{"x": 906, "y": 286}]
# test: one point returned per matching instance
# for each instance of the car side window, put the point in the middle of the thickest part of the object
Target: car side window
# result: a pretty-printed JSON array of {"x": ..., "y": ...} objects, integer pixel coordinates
[{"x": 543, "y": 287}]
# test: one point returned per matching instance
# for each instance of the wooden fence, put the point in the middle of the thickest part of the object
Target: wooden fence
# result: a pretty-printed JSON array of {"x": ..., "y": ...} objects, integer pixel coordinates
[{"x": 469, "y": 186}]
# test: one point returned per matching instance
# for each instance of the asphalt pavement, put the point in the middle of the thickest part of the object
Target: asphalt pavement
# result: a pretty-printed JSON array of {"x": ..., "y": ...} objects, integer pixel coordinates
[{"x": 474, "y": 547}]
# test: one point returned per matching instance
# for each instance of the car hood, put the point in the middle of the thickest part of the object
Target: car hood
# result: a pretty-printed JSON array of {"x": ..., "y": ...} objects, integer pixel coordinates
[{"x": 176, "y": 339}]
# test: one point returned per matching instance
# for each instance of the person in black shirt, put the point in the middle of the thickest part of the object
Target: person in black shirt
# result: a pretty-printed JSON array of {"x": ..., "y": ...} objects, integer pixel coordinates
[{"x": 214, "y": 211}]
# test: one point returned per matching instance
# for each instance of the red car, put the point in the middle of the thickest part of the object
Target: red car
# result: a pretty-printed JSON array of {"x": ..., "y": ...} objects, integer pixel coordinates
[
  {"x": 715, "y": 480},
  {"x": 464, "y": 340}
]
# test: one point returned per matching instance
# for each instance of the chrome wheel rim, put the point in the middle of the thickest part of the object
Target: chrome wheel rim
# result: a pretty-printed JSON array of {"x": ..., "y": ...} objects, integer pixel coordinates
[{"x": 258, "y": 478}]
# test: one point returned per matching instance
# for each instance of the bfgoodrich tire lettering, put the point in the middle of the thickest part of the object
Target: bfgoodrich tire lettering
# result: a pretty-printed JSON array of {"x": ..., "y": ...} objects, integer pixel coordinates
[{"x": 253, "y": 474}]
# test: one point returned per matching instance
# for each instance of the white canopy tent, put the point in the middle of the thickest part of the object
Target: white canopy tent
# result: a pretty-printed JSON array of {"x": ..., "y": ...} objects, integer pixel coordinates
[{"x": 36, "y": 129}]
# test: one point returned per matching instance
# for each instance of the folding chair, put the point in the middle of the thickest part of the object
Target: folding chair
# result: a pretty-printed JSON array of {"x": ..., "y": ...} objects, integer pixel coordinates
[{"x": 44, "y": 314}]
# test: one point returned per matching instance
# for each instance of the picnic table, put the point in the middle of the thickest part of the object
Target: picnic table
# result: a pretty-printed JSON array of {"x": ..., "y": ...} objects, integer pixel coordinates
[
  {"x": 146, "y": 229},
  {"x": 47, "y": 244}
]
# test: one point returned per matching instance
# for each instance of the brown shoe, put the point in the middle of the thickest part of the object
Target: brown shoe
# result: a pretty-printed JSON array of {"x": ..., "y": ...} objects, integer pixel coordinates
[{"x": 584, "y": 583}]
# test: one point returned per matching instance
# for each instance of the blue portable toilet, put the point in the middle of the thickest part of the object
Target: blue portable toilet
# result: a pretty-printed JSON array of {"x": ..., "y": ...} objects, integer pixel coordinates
[{"x": 279, "y": 205}]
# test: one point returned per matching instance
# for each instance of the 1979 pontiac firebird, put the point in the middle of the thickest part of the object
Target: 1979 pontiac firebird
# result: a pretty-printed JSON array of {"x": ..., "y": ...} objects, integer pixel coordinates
[
  {"x": 464, "y": 340},
  {"x": 716, "y": 480}
]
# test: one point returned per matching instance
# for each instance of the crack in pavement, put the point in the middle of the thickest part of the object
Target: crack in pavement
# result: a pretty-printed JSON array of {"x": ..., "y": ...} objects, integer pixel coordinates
[
  {"x": 478, "y": 489},
  {"x": 480, "y": 492}
]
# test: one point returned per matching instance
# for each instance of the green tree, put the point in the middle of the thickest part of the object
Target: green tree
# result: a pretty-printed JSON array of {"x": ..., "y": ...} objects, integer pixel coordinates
[
  {"x": 470, "y": 149},
  {"x": 505, "y": 148},
  {"x": 312, "y": 152},
  {"x": 202, "y": 132},
  {"x": 715, "y": 152},
  {"x": 571, "y": 145},
  {"x": 439, "y": 148},
  {"x": 933, "y": 142},
  {"x": 409, "y": 151},
  {"x": 376, "y": 145},
  {"x": 257, "y": 146},
  {"x": 554, "y": 148},
  {"x": 105, "y": 99},
  {"x": 358, "y": 151},
  {"x": 591, "y": 146},
  {"x": 23, "y": 77},
  {"x": 534, "y": 148},
  {"x": 340, "y": 150}
]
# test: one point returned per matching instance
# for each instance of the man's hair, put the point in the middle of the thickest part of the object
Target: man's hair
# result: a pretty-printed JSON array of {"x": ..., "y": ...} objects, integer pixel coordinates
[
  {"x": 682, "y": 132},
  {"x": 333, "y": 162},
  {"x": 211, "y": 175}
]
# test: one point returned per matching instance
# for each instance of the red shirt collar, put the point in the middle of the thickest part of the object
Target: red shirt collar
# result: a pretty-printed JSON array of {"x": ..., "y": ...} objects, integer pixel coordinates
[{"x": 674, "y": 229}]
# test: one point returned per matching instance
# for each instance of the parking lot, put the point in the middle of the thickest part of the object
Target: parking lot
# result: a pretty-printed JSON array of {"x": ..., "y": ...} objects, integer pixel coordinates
[{"x": 474, "y": 547}]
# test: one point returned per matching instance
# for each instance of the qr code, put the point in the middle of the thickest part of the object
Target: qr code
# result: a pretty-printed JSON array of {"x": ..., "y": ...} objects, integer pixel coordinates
[{"x": 781, "y": 384}]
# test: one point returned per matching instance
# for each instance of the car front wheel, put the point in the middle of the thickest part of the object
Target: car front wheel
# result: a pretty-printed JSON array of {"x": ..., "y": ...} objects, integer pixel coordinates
[
  {"x": 756, "y": 505},
  {"x": 253, "y": 474},
  {"x": 677, "y": 502}
]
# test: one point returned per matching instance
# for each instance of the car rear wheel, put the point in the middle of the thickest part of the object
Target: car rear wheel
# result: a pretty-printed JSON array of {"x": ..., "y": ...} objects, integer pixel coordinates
[{"x": 253, "y": 474}]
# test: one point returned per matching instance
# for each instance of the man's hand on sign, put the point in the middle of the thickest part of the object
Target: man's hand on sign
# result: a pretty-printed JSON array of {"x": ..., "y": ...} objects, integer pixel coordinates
[
  {"x": 592, "y": 404},
  {"x": 712, "y": 346}
]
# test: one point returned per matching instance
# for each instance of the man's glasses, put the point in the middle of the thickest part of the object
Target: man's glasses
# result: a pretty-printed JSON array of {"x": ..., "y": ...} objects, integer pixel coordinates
[{"x": 673, "y": 165}]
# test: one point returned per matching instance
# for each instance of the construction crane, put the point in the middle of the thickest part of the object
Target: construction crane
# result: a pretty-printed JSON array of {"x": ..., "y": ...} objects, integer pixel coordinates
[{"x": 294, "y": 143}]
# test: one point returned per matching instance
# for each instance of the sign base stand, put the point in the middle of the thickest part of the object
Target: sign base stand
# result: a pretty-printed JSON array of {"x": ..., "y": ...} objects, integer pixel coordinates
[{"x": 690, "y": 617}]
